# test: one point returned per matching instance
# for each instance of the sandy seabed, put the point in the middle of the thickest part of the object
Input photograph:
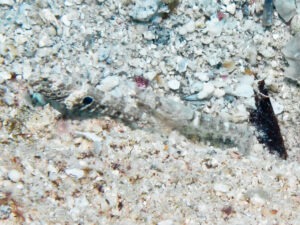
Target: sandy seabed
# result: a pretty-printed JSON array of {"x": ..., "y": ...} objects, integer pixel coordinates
[{"x": 99, "y": 170}]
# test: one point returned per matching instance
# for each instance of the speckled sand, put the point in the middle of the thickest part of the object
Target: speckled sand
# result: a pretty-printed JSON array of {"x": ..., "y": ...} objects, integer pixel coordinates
[{"x": 98, "y": 170}]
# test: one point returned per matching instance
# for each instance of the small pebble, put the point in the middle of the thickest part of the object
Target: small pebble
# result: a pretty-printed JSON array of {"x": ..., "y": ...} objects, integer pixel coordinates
[
  {"x": 103, "y": 53},
  {"x": 226, "y": 2},
  {"x": 150, "y": 75},
  {"x": 231, "y": 9},
  {"x": 278, "y": 108},
  {"x": 144, "y": 11},
  {"x": 148, "y": 35},
  {"x": 7, "y": 2},
  {"x": 259, "y": 6},
  {"x": 196, "y": 87},
  {"x": 14, "y": 175},
  {"x": 77, "y": 173},
  {"x": 166, "y": 222},
  {"x": 44, "y": 40},
  {"x": 187, "y": 28},
  {"x": 182, "y": 65},
  {"x": 4, "y": 75},
  {"x": 295, "y": 24},
  {"x": 250, "y": 53},
  {"x": 65, "y": 20},
  {"x": 206, "y": 92},
  {"x": 243, "y": 90},
  {"x": 27, "y": 70},
  {"x": 258, "y": 197},
  {"x": 174, "y": 84},
  {"x": 267, "y": 52},
  {"x": 5, "y": 211},
  {"x": 214, "y": 27},
  {"x": 109, "y": 83},
  {"x": 257, "y": 200},
  {"x": 219, "y": 92},
  {"x": 202, "y": 76},
  {"x": 219, "y": 187}
]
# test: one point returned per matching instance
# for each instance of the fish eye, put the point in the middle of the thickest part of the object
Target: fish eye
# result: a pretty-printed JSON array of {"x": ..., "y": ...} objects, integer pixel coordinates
[{"x": 87, "y": 100}]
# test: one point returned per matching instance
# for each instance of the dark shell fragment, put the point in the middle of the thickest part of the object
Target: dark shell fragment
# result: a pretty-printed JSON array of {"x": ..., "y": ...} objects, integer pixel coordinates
[
  {"x": 267, "y": 19},
  {"x": 266, "y": 123}
]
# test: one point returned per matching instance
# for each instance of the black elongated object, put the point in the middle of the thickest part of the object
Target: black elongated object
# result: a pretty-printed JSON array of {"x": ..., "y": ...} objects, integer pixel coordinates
[{"x": 266, "y": 123}]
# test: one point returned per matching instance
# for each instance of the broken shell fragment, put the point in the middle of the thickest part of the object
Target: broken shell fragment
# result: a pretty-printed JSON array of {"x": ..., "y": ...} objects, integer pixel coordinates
[
  {"x": 292, "y": 54},
  {"x": 286, "y": 9},
  {"x": 295, "y": 24},
  {"x": 206, "y": 92}
]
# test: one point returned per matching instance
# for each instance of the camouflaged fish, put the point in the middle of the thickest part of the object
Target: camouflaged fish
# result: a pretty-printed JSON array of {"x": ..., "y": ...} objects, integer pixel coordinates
[{"x": 138, "y": 108}]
